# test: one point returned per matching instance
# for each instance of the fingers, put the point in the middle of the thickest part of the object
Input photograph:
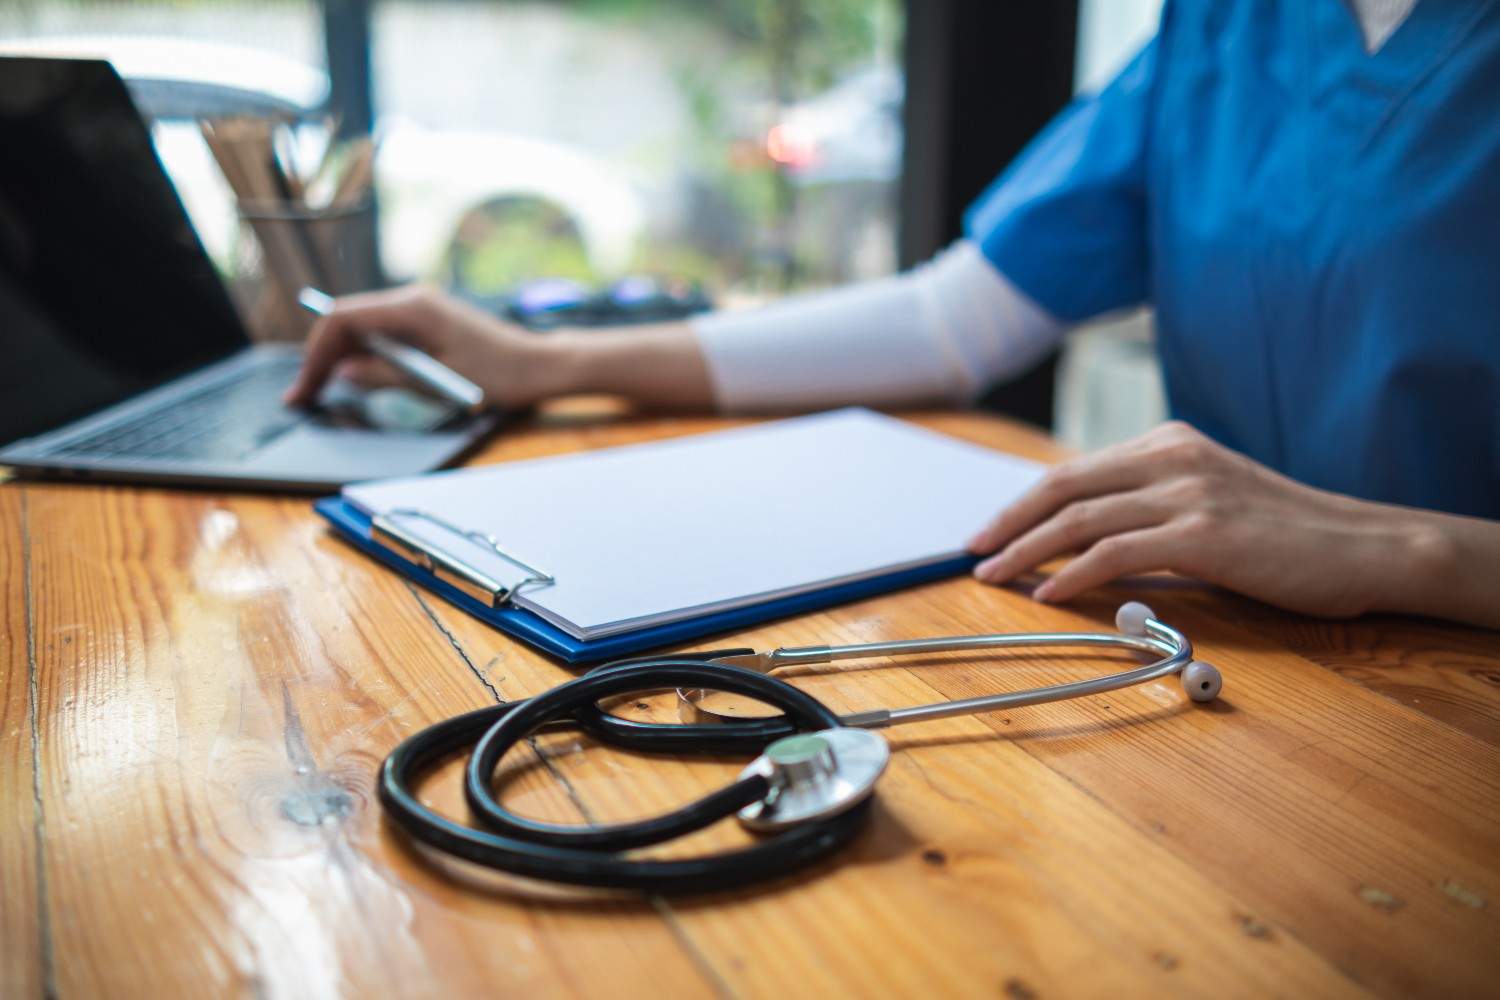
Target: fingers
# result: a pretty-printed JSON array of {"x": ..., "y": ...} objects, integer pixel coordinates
[
  {"x": 1076, "y": 527},
  {"x": 329, "y": 342},
  {"x": 1173, "y": 447},
  {"x": 1110, "y": 471},
  {"x": 370, "y": 372},
  {"x": 1138, "y": 506},
  {"x": 1160, "y": 547},
  {"x": 409, "y": 313}
]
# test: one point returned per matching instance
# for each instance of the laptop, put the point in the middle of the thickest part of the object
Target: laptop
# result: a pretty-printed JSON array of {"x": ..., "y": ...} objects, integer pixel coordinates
[{"x": 121, "y": 354}]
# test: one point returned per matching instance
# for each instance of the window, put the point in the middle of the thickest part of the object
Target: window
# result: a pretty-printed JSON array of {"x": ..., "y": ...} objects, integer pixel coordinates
[{"x": 751, "y": 145}]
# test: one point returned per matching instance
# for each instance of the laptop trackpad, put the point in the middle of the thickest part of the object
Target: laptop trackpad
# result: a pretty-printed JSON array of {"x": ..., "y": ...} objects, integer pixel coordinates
[
  {"x": 389, "y": 409},
  {"x": 337, "y": 454}
]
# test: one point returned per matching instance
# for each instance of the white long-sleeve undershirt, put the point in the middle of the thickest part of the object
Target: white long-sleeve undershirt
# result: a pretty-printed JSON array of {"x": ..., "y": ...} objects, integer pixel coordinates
[{"x": 941, "y": 332}]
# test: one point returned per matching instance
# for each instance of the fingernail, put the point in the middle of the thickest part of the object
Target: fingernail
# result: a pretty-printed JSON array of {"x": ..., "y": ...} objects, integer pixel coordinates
[
  {"x": 1044, "y": 591},
  {"x": 976, "y": 543},
  {"x": 986, "y": 570}
]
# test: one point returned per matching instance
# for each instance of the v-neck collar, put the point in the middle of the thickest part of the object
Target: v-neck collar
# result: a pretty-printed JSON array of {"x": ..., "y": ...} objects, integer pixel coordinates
[
  {"x": 1355, "y": 92},
  {"x": 1428, "y": 33}
]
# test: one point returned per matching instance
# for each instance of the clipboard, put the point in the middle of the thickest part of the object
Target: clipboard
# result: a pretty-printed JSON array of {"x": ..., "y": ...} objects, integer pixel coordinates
[{"x": 472, "y": 592}]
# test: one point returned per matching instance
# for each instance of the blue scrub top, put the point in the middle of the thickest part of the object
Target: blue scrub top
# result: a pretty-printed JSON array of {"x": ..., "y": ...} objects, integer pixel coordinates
[{"x": 1317, "y": 227}]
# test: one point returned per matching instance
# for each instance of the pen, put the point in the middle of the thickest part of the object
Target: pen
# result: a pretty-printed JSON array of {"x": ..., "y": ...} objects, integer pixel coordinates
[{"x": 430, "y": 373}]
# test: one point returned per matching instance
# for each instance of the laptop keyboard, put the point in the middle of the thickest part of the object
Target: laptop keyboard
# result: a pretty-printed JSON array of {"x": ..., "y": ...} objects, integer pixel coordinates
[{"x": 226, "y": 421}]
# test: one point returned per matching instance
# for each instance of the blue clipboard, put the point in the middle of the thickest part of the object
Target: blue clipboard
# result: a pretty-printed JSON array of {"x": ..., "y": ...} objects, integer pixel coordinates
[{"x": 353, "y": 526}]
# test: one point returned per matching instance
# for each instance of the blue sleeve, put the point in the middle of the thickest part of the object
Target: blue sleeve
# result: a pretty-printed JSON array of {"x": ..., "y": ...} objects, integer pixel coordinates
[{"x": 1066, "y": 222}]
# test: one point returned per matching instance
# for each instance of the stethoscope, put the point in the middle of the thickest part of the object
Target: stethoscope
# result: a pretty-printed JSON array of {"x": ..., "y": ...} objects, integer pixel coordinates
[{"x": 810, "y": 790}]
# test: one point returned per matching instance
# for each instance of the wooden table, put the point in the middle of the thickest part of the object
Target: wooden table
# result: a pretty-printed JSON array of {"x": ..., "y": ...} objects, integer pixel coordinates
[{"x": 199, "y": 686}]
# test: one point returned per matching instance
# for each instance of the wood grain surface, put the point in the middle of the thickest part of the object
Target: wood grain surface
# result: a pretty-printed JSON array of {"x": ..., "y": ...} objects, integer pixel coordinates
[
  {"x": 21, "y": 951},
  {"x": 216, "y": 678}
]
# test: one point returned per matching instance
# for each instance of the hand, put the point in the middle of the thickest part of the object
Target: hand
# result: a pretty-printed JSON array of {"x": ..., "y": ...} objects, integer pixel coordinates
[
  {"x": 514, "y": 367},
  {"x": 1175, "y": 500}
]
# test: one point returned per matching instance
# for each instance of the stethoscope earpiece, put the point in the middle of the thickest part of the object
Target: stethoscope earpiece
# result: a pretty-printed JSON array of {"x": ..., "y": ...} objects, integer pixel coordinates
[
  {"x": 1201, "y": 681},
  {"x": 1132, "y": 617}
]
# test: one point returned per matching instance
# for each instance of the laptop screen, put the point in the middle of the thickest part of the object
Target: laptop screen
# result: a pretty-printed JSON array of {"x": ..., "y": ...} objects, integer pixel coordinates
[{"x": 105, "y": 290}]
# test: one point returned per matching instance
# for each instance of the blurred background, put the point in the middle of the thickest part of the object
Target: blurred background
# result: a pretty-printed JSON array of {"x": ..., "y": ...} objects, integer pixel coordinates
[{"x": 744, "y": 149}]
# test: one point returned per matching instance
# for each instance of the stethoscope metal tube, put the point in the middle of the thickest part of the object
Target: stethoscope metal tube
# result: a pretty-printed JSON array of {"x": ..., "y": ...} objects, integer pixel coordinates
[{"x": 1140, "y": 632}]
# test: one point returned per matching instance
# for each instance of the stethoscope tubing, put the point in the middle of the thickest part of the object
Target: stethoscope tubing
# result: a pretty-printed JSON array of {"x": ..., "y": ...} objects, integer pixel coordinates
[{"x": 591, "y": 858}]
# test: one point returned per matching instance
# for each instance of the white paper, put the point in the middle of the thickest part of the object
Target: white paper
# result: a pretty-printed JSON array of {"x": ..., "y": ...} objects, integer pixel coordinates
[{"x": 653, "y": 533}]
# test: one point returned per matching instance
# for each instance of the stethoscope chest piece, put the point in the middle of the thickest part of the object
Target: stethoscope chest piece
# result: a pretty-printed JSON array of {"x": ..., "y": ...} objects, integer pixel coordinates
[{"x": 815, "y": 776}]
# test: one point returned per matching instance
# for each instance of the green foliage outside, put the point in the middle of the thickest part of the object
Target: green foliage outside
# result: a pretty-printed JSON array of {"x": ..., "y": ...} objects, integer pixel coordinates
[{"x": 798, "y": 48}]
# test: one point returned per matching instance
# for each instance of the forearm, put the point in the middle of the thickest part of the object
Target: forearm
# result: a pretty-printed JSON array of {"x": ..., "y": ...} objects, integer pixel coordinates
[
  {"x": 939, "y": 334},
  {"x": 1449, "y": 567},
  {"x": 660, "y": 366}
]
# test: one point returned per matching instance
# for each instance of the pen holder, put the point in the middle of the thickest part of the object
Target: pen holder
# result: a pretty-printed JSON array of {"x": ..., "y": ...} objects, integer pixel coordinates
[{"x": 331, "y": 248}]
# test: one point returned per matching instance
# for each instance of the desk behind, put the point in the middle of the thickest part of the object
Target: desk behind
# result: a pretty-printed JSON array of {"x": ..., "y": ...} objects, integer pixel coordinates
[{"x": 200, "y": 686}]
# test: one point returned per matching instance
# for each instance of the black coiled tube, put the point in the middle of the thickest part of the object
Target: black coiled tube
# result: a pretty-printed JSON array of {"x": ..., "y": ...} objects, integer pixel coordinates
[{"x": 593, "y": 856}]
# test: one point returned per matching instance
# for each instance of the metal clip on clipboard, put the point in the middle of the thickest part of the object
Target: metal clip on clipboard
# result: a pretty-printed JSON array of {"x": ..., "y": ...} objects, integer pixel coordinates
[{"x": 447, "y": 567}]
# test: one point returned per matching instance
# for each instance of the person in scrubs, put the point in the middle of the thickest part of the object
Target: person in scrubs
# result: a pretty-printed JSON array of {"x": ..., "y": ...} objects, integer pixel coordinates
[{"x": 1307, "y": 192}]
